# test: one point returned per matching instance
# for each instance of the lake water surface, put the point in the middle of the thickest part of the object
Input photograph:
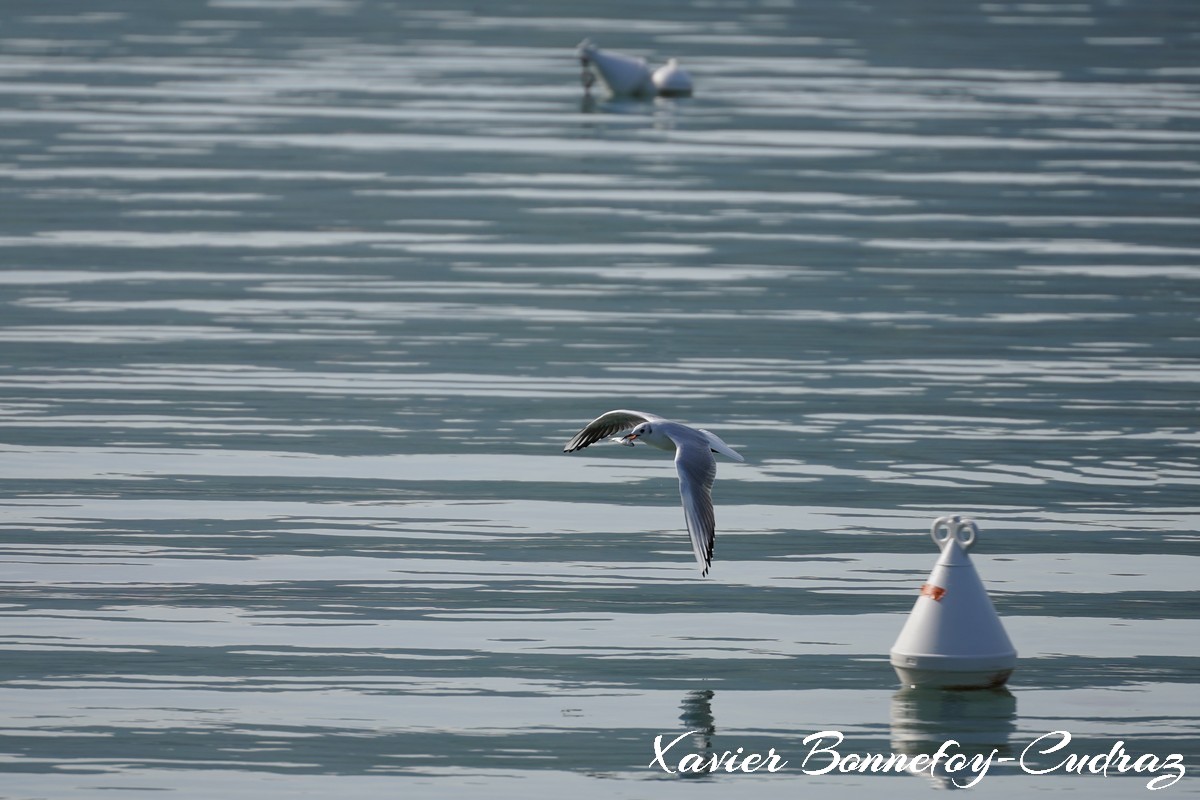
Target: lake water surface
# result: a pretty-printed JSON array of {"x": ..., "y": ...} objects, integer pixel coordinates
[{"x": 299, "y": 302}]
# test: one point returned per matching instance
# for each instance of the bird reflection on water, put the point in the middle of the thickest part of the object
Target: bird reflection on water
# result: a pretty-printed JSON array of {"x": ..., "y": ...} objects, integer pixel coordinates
[{"x": 698, "y": 716}]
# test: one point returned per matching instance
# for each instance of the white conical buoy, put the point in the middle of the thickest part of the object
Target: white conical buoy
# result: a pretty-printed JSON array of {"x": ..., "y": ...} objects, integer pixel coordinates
[
  {"x": 672, "y": 80},
  {"x": 953, "y": 637},
  {"x": 625, "y": 76}
]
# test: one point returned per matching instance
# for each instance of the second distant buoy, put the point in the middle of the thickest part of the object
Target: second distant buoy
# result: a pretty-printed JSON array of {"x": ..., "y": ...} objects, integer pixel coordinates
[{"x": 672, "y": 80}]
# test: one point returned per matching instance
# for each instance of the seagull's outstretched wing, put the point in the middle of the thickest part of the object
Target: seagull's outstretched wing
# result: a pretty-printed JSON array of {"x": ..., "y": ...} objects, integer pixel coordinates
[
  {"x": 697, "y": 468},
  {"x": 719, "y": 446},
  {"x": 606, "y": 426}
]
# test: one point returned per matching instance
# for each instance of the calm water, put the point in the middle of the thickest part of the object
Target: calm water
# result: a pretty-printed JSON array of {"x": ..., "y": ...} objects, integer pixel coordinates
[{"x": 300, "y": 300}]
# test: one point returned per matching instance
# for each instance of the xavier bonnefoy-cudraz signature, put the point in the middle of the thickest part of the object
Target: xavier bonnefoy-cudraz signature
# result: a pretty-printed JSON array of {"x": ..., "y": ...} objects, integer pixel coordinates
[{"x": 825, "y": 753}]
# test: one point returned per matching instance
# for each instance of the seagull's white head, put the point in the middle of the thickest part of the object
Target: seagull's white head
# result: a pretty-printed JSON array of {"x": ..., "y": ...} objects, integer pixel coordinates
[
  {"x": 648, "y": 433},
  {"x": 643, "y": 429}
]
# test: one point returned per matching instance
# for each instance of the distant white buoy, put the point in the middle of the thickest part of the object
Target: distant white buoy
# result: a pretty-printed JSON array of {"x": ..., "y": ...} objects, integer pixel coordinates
[
  {"x": 672, "y": 80},
  {"x": 622, "y": 75},
  {"x": 629, "y": 76},
  {"x": 953, "y": 637}
]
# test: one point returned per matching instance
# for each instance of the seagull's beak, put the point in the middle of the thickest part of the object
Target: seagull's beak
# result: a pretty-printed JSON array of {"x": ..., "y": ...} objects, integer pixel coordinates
[{"x": 628, "y": 438}]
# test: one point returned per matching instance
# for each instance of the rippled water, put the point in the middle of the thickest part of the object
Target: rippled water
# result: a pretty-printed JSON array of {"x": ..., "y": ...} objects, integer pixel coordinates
[{"x": 300, "y": 301}]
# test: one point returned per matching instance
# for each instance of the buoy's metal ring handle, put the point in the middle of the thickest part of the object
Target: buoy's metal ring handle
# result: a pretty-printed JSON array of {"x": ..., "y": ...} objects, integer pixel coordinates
[{"x": 963, "y": 529}]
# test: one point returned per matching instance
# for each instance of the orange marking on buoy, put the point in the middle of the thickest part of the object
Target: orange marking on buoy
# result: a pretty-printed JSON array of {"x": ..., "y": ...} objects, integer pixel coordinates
[{"x": 929, "y": 590}]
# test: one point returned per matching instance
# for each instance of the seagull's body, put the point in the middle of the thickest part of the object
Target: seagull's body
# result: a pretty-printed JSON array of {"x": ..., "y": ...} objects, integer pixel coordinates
[{"x": 694, "y": 448}]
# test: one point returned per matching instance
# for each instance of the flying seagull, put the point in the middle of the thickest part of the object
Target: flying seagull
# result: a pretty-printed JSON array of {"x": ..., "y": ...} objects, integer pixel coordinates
[{"x": 694, "y": 448}]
